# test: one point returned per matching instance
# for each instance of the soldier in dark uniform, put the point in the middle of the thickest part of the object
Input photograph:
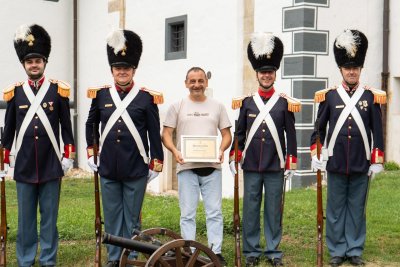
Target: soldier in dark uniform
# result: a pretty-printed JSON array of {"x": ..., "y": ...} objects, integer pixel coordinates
[
  {"x": 353, "y": 113},
  {"x": 35, "y": 110},
  {"x": 130, "y": 124},
  {"x": 264, "y": 119}
]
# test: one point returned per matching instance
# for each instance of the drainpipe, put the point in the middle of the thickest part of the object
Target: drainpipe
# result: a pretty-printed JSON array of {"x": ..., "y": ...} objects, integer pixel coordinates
[
  {"x": 75, "y": 83},
  {"x": 385, "y": 63}
]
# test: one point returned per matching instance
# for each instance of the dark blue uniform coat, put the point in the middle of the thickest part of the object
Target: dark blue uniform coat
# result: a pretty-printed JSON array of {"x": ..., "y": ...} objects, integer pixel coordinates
[
  {"x": 120, "y": 158},
  {"x": 349, "y": 152},
  {"x": 37, "y": 161},
  {"x": 261, "y": 155}
]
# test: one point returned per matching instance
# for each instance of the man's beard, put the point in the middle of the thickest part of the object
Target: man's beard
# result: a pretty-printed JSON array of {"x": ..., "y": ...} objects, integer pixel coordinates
[
  {"x": 266, "y": 88},
  {"x": 35, "y": 77}
]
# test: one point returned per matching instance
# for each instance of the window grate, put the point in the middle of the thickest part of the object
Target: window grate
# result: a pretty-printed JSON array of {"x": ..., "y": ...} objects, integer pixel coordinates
[{"x": 177, "y": 37}]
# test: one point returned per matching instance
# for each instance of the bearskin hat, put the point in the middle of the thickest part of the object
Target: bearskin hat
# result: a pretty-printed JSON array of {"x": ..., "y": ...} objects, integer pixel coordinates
[
  {"x": 350, "y": 48},
  {"x": 265, "y": 51},
  {"x": 32, "y": 41},
  {"x": 124, "y": 48}
]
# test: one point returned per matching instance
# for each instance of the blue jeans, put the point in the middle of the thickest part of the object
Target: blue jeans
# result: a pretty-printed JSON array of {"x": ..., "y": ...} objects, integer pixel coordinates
[
  {"x": 122, "y": 203},
  {"x": 254, "y": 182},
  {"x": 190, "y": 186},
  {"x": 29, "y": 196},
  {"x": 345, "y": 221}
]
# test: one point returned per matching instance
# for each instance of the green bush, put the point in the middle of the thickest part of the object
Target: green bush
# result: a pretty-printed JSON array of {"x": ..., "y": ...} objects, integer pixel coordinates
[{"x": 392, "y": 166}]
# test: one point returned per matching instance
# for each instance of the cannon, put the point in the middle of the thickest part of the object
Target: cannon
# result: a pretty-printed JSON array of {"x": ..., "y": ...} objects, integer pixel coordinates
[{"x": 171, "y": 251}]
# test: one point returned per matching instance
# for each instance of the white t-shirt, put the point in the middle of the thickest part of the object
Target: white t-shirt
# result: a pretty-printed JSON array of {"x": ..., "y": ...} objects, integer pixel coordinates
[{"x": 188, "y": 117}]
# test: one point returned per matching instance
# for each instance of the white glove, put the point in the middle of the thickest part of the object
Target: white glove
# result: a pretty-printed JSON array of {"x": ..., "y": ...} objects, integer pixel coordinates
[
  {"x": 66, "y": 164},
  {"x": 91, "y": 164},
  {"x": 318, "y": 164},
  {"x": 289, "y": 173},
  {"x": 232, "y": 168},
  {"x": 3, "y": 173},
  {"x": 152, "y": 175},
  {"x": 375, "y": 168},
  {"x": 12, "y": 160}
]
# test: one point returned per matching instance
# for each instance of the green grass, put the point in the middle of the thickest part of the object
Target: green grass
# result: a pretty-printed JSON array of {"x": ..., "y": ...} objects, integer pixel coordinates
[{"x": 76, "y": 223}]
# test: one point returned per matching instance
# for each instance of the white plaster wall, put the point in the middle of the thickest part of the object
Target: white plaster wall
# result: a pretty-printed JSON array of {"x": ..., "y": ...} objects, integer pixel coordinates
[{"x": 393, "y": 125}]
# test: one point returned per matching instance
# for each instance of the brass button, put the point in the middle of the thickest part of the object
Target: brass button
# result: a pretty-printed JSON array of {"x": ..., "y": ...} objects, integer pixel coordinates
[
  {"x": 350, "y": 118},
  {"x": 119, "y": 120},
  {"x": 263, "y": 139},
  {"x": 349, "y": 136},
  {"x": 36, "y": 137},
  {"x": 349, "y": 127},
  {"x": 263, "y": 130},
  {"x": 36, "y": 127},
  {"x": 118, "y": 140},
  {"x": 36, "y": 117},
  {"x": 263, "y": 121},
  {"x": 119, "y": 131}
]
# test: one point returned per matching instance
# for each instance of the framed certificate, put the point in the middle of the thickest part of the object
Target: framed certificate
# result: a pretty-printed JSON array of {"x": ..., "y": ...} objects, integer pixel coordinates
[{"x": 198, "y": 148}]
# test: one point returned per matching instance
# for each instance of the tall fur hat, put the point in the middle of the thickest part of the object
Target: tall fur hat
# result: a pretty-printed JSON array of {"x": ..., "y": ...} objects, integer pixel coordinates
[
  {"x": 265, "y": 51},
  {"x": 124, "y": 48},
  {"x": 32, "y": 41},
  {"x": 350, "y": 49}
]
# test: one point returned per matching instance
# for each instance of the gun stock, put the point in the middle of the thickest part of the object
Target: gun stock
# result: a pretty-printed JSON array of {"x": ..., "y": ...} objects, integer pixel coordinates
[
  {"x": 236, "y": 216},
  {"x": 3, "y": 223},
  {"x": 320, "y": 215},
  {"x": 97, "y": 223}
]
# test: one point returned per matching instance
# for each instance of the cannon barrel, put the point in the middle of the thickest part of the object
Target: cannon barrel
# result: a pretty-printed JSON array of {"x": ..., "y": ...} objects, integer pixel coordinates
[{"x": 129, "y": 244}]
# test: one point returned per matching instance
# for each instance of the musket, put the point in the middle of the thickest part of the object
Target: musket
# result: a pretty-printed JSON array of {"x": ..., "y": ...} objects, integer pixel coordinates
[
  {"x": 3, "y": 223},
  {"x": 97, "y": 223},
  {"x": 320, "y": 215},
  {"x": 236, "y": 216}
]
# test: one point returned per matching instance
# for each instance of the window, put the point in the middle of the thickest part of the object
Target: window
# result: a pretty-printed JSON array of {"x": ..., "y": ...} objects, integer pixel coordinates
[{"x": 175, "y": 37}]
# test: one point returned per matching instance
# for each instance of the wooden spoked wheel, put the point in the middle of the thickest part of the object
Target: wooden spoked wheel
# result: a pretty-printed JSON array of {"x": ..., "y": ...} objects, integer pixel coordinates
[
  {"x": 157, "y": 236},
  {"x": 178, "y": 253}
]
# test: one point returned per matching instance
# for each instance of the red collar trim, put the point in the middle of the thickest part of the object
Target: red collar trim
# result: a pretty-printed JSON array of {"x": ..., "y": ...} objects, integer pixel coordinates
[
  {"x": 266, "y": 94},
  {"x": 347, "y": 88},
  {"x": 36, "y": 84},
  {"x": 126, "y": 89}
]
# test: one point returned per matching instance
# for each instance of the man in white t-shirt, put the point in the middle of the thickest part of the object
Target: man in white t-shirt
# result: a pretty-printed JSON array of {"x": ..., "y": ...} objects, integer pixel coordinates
[{"x": 198, "y": 114}]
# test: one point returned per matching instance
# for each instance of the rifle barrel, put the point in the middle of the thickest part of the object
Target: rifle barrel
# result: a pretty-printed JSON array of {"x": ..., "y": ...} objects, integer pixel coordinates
[
  {"x": 3, "y": 222},
  {"x": 97, "y": 223},
  {"x": 320, "y": 215},
  {"x": 236, "y": 216}
]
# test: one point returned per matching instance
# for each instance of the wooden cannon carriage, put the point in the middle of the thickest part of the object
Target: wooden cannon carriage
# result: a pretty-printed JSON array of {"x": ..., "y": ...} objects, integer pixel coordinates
[{"x": 162, "y": 247}]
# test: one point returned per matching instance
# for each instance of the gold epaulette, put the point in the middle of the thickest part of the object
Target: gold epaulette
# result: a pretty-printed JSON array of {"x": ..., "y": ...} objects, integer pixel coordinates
[
  {"x": 379, "y": 95},
  {"x": 294, "y": 105},
  {"x": 92, "y": 91},
  {"x": 158, "y": 97},
  {"x": 63, "y": 87},
  {"x": 320, "y": 95},
  {"x": 8, "y": 93},
  {"x": 237, "y": 101}
]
